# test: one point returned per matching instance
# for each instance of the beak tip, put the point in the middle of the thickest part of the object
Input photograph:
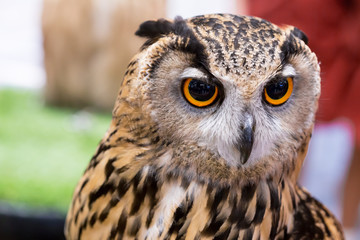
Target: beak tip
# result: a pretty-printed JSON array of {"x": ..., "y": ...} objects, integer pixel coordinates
[
  {"x": 244, "y": 157},
  {"x": 246, "y": 139}
]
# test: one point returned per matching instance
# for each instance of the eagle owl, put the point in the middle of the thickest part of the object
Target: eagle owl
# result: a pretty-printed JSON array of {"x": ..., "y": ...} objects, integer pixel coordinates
[{"x": 209, "y": 132}]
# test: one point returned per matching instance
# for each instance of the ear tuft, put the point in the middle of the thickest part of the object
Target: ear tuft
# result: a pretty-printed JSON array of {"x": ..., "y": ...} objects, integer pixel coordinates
[
  {"x": 154, "y": 29},
  {"x": 300, "y": 34},
  {"x": 296, "y": 33}
]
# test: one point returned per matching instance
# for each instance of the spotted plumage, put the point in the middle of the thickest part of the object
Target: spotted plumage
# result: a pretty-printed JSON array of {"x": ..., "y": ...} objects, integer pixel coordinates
[{"x": 167, "y": 169}]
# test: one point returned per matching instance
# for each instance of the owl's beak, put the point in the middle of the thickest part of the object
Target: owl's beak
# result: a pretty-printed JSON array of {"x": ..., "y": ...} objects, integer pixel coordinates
[{"x": 246, "y": 140}]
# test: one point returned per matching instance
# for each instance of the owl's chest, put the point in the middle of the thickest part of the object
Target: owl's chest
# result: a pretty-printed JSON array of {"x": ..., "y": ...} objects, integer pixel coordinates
[{"x": 149, "y": 210}]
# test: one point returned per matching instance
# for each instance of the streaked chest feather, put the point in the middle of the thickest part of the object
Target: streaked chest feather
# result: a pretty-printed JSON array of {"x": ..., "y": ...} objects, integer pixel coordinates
[{"x": 145, "y": 205}]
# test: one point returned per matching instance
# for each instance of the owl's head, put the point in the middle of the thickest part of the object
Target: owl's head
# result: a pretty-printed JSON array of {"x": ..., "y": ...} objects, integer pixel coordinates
[{"x": 229, "y": 95}]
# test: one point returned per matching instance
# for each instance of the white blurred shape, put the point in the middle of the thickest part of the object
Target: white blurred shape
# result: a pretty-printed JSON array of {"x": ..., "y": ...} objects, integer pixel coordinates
[
  {"x": 190, "y": 8},
  {"x": 21, "y": 55},
  {"x": 82, "y": 121},
  {"x": 327, "y": 162}
]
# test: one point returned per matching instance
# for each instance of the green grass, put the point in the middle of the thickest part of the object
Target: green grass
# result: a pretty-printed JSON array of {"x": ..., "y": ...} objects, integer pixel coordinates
[{"x": 44, "y": 150}]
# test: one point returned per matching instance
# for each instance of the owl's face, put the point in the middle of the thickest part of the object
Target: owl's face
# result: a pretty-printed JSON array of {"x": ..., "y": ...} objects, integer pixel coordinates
[{"x": 239, "y": 88}]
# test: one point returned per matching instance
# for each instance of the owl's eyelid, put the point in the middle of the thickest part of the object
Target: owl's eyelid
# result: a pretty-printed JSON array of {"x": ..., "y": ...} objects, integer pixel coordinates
[
  {"x": 277, "y": 78},
  {"x": 192, "y": 72},
  {"x": 288, "y": 71},
  {"x": 196, "y": 73}
]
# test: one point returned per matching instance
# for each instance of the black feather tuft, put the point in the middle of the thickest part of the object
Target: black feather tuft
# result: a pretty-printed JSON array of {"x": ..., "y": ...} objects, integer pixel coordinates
[
  {"x": 300, "y": 34},
  {"x": 155, "y": 29}
]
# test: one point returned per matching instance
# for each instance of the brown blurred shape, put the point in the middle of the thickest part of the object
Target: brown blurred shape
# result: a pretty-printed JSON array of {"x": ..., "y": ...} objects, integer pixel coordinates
[{"x": 87, "y": 46}]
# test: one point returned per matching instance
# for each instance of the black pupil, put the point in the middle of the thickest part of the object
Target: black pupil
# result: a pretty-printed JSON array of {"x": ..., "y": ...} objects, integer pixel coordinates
[
  {"x": 200, "y": 90},
  {"x": 278, "y": 89}
]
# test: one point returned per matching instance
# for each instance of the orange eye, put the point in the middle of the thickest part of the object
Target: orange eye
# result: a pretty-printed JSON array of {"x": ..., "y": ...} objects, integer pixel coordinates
[
  {"x": 199, "y": 93},
  {"x": 278, "y": 92}
]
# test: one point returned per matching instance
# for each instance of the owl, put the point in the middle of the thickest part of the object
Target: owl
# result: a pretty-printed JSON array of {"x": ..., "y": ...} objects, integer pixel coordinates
[{"x": 209, "y": 132}]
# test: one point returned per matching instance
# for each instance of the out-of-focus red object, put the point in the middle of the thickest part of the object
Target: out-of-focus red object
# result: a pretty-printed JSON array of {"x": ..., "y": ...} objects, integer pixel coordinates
[{"x": 333, "y": 29}]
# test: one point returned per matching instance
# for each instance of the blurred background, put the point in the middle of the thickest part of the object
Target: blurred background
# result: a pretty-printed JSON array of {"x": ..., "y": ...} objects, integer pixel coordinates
[{"x": 61, "y": 65}]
